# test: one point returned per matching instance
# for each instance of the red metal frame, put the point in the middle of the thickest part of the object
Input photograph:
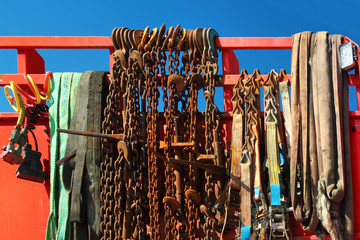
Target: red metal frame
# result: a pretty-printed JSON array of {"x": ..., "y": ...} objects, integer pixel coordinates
[{"x": 24, "y": 206}]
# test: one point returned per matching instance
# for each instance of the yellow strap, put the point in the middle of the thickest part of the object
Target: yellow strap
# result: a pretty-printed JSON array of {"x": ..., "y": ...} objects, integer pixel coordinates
[{"x": 272, "y": 153}]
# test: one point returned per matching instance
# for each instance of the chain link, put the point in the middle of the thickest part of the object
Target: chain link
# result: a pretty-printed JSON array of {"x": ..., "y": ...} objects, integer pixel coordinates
[{"x": 109, "y": 200}]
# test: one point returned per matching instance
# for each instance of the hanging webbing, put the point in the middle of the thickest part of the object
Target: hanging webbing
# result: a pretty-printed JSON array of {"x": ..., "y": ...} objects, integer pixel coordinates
[{"x": 60, "y": 107}]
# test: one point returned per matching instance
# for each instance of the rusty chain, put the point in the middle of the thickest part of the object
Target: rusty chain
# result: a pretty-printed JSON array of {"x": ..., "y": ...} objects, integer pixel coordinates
[
  {"x": 109, "y": 197},
  {"x": 136, "y": 196},
  {"x": 209, "y": 70},
  {"x": 133, "y": 190}
]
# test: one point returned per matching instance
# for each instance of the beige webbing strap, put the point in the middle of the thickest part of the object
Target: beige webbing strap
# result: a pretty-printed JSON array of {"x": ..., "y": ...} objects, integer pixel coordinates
[
  {"x": 256, "y": 130},
  {"x": 245, "y": 193},
  {"x": 285, "y": 98},
  {"x": 328, "y": 191},
  {"x": 237, "y": 131},
  {"x": 304, "y": 107},
  {"x": 301, "y": 204},
  {"x": 295, "y": 121},
  {"x": 337, "y": 81},
  {"x": 236, "y": 153}
]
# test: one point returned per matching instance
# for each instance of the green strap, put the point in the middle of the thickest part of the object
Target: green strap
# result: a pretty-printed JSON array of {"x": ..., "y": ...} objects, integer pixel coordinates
[
  {"x": 54, "y": 150},
  {"x": 64, "y": 109},
  {"x": 64, "y": 88},
  {"x": 74, "y": 84},
  {"x": 67, "y": 105}
]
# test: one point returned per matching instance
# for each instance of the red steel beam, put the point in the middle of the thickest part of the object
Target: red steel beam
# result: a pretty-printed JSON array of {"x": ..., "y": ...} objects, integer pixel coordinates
[
  {"x": 260, "y": 43},
  {"x": 56, "y": 42},
  {"x": 231, "y": 79},
  {"x": 5, "y": 79},
  {"x": 233, "y": 43}
]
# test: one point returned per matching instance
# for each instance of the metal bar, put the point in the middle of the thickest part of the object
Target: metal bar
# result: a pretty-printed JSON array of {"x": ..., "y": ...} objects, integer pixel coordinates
[
  {"x": 30, "y": 61},
  {"x": 354, "y": 80},
  {"x": 231, "y": 79},
  {"x": 56, "y": 42},
  {"x": 260, "y": 43},
  {"x": 67, "y": 157},
  {"x": 90, "y": 42},
  {"x": 5, "y": 79},
  {"x": 92, "y": 134}
]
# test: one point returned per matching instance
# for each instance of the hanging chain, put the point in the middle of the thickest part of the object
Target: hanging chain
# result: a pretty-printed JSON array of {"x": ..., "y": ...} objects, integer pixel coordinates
[
  {"x": 169, "y": 111},
  {"x": 112, "y": 124},
  {"x": 209, "y": 69}
]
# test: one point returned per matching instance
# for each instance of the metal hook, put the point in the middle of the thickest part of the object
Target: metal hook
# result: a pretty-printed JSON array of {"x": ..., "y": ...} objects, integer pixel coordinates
[
  {"x": 161, "y": 35},
  {"x": 182, "y": 40},
  {"x": 144, "y": 37},
  {"x": 211, "y": 37},
  {"x": 173, "y": 36},
  {"x": 153, "y": 36},
  {"x": 167, "y": 37},
  {"x": 113, "y": 38}
]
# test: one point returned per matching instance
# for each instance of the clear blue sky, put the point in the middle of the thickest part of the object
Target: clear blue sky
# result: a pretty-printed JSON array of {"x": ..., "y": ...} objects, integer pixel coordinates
[{"x": 229, "y": 18}]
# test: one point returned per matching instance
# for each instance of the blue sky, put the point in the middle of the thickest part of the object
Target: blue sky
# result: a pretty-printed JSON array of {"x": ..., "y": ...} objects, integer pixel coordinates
[{"x": 229, "y": 18}]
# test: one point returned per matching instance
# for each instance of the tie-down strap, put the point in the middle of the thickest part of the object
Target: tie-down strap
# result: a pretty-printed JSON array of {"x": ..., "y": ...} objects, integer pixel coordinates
[{"x": 81, "y": 175}]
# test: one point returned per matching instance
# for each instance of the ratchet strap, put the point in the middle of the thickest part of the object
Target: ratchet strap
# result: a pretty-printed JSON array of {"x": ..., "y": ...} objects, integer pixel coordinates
[
  {"x": 58, "y": 226},
  {"x": 250, "y": 160},
  {"x": 277, "y": 209}
]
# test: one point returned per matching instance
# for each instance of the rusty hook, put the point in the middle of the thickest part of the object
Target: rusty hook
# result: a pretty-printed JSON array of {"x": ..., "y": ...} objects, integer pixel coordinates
[
  {"x": 113, "y": 38},
  {"x": 173, "y": 36},
  {"x": 153, "y": 37},
  {"x": 145, "y": 36},
  {"x": 161, "y": 35},
  {"x": 182, "y": 40},
  {"x": 137, "y": 36},
  {"x": 167, "y": 37}
]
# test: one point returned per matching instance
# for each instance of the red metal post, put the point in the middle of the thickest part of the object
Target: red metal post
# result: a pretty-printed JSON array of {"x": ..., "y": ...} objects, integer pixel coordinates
[
  {"x": 230, "y": 66},
  {"x": 30, "y": 61}
]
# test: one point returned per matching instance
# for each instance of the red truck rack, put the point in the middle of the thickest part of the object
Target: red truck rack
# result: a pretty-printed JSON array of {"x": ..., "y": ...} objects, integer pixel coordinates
[{"x": 24, "y": 205}]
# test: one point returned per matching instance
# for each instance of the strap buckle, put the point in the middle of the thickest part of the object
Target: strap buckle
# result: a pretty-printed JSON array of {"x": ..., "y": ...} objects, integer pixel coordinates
[{"x": 278, "y": 223}]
